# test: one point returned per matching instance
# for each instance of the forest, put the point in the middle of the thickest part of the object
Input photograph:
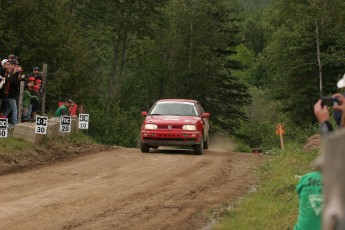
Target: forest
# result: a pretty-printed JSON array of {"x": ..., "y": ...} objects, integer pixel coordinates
[{"x": 251, "y": 63}]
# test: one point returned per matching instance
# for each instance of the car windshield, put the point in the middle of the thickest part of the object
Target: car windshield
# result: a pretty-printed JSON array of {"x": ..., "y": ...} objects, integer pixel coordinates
[{"x": 174, "y": 108}]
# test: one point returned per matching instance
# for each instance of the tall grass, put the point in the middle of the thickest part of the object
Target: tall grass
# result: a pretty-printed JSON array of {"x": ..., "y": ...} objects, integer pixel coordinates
[{"x": 275, "y": 203}]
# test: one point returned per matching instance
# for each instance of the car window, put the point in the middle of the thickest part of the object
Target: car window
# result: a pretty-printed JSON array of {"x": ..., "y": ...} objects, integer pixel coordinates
[{"x": 174, "y": 108}]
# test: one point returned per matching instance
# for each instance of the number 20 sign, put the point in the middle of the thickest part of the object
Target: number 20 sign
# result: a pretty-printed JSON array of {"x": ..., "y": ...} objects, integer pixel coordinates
[
  {"x": 41, "y": 125},
  {"x": 65, "y": 124}
]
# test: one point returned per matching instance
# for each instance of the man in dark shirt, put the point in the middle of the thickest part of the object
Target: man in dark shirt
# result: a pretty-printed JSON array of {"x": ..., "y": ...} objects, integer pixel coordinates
[{"x": 35, "y": 73}]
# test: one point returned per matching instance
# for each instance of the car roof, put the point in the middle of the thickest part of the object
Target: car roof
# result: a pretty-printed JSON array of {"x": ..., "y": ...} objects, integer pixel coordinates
[{"x": 177, "y": 100}]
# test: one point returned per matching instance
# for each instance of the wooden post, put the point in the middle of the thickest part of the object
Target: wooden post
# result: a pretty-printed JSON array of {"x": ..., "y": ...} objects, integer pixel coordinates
[
  {"x": 44, "y": 87},
  {"x": 333, "y": 170},
  {"x": 281, "y": 138},
  {"x": 280, "y": 131},
  {"x": 20, "y": 101}
]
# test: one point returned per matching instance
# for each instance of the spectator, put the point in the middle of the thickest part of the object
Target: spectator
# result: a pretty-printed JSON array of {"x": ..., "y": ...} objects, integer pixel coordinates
[
  {"x": 31, "y": 79},
  {"x": 27, "y": 97},
  {"x": 4, "y": 75},
  {"x": 10, "y": 91},
  {"x": 323, "y": 116},
  {"x": 12, "y": 57},
  {"x": 2, "y": 82},
  {"x": 35, "y": 103},
  {"x": 337, "y": 114},
  {"x": 35, "y": 73},
  {"x": 63, "y": 110},
  {"x": 309, "y": 189}
]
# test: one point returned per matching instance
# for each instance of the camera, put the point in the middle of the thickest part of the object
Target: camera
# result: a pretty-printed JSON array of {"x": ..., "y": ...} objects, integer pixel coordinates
[{"x": 329, "y": 101}]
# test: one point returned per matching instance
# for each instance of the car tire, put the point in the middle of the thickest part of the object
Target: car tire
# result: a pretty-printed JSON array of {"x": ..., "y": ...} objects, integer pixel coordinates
[
  {"x": 206, "y": 142},
  {"x": 199, "y": 147},
  {"x": 144, "y": 148}
]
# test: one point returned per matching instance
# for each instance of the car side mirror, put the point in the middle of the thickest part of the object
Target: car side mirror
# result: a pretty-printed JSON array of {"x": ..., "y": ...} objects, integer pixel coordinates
[
  {"x": 206, "y": 115},
  {"x": 144, "y": 113}
]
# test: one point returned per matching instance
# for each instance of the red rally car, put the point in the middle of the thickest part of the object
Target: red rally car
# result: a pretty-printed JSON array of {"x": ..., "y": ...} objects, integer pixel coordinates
[{"x": 175, "y": 122}]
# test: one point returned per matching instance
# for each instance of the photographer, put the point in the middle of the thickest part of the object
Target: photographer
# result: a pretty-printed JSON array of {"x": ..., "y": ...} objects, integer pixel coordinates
[
  {"x": 322, "y": 113},
  {"x": 311, "y": 184}
]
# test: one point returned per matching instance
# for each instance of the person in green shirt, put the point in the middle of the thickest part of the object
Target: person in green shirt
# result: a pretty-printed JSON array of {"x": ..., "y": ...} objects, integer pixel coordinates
[
  {"x": 63, "y": 110},
  {"x": 309, "y": 189},
  {"x": 27, "y": 97}
]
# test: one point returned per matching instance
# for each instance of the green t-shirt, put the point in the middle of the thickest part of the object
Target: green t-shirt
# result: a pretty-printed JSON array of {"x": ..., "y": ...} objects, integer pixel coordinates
[
  {"x": 62, "y": 110},
  {"x": 309, "y": 189},
  {"x": 27, "y": 98}
]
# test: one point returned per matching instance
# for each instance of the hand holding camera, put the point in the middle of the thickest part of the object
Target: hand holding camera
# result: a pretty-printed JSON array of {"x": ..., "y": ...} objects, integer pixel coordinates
[
  {"x": 340, "y": 105},
  {"x": 329, "y": 101}
]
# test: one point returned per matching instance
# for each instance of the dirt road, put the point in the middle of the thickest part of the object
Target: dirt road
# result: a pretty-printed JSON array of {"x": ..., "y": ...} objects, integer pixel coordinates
[{"x": 125, "y": 189}]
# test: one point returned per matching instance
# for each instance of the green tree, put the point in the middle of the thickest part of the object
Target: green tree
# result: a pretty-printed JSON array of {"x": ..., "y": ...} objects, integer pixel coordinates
[{"x": 301, "y": 53}]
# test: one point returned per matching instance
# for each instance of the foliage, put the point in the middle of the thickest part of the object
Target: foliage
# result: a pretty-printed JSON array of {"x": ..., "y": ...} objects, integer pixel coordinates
[
  {"x": 275, "y": 194},
  {"x": 259, "y": 130},
  {"x": 14, "y": 144},
  {"x": 298, "y": 30},
  {"x": 118, "y": 129},
  {"x": 242, "y": 147}
]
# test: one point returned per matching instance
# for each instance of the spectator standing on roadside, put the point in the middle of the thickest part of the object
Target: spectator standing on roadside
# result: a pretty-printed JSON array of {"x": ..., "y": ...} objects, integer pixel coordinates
[
  {"x": 35, "y": 103},
  {"x": 35, "y": 73},
  {"x": 63, "y": 110},
  {"x": 27, "y": 97},
  {"x": 4, "y": 75},
  {"x": 12, "y": 57},
  {"x": 10, "y": 90}
]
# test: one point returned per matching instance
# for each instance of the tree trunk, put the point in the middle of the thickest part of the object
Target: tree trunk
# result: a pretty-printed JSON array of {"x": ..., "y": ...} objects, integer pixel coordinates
[{"x": 318, "y": 53}]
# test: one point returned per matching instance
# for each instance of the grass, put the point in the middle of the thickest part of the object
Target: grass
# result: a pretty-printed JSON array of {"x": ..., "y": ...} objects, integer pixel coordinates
[
  {"x": 14, "y": 144},
  {"x": 275, "y": 203},
  {"x": 10, "y": 145},
  {"x": 76, "y": 138}
]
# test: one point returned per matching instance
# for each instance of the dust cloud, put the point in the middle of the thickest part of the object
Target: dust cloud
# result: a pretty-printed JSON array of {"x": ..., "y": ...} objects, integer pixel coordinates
[{"x": 219, "y": 142}]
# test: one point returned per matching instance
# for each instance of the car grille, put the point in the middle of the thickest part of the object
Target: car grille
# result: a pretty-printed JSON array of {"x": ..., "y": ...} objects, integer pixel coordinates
[{"x": 172, "y": 126}]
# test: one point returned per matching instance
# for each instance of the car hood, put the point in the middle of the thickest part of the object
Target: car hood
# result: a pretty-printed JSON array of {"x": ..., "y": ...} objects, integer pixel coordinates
[{"x": 161, "y": 119}]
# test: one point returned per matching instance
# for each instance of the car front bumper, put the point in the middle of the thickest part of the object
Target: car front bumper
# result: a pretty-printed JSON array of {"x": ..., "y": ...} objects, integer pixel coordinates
[{"x": 159, "y": 138}]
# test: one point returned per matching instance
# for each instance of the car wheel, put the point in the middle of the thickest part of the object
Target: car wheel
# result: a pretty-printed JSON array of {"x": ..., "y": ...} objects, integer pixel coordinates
[
  {"x": 144, "y": 148},
  {"x": 206, "y": 143},
  {"x": 198, "y": 148}
]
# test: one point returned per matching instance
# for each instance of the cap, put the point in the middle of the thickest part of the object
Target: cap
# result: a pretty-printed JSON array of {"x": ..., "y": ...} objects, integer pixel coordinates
[
  {"x": 12, "y": 56},
  {"x": 36, "y": 87},
  {"x": 341, "y": 82},
  {"x": 4, "y": 61},
  {"x": 38, "y": 81},
  {"x": 35, "y": 68},
  {"x": 31, "y": 79}
]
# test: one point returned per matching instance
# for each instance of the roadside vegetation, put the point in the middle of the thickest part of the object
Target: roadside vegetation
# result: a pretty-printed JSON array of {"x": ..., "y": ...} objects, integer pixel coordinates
[
  {"x": 274, "y": 204},
  {"x": 17, "y": 154}
]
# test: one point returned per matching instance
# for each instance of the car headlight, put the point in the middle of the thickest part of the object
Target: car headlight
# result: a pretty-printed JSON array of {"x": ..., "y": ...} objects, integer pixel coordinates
[
  {"x": 150, "y": 126},
  {"x": 189, "y": 127}
]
